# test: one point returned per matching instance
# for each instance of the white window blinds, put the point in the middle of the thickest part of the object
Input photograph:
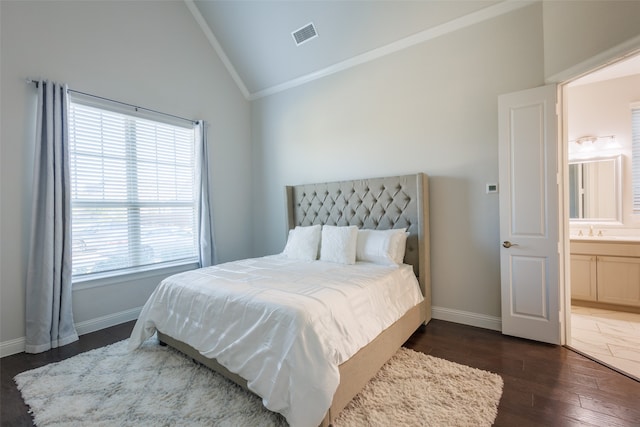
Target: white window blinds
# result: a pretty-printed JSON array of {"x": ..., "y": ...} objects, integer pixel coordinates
[
  {"x": 132, "y": 183},
  {"x": 635, "y": 147}
]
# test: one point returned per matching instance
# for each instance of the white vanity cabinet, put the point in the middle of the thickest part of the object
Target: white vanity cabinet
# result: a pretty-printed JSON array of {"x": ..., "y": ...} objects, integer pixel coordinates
[
  {"x": 606, "y": 271},
  {"x": 619, "y": 280},
  {"x": 584, "y": 277}
]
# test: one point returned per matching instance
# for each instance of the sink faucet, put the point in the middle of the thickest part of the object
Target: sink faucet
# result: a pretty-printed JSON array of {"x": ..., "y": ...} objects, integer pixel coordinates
[{"x": 591, "y": 230}]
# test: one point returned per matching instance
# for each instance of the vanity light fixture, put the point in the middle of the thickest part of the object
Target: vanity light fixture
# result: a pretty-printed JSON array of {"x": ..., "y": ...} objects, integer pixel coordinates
[
  {"x": 588, "y": 144},
  {"x": 584, "y": 139},
  {"x": 608, "y": 139}
]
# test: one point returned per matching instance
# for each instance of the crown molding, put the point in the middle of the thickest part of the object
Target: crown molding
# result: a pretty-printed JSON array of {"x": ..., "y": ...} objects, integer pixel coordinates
[
  {"x": 421, "y": 37},
  {"x": 216, "y": 46}
]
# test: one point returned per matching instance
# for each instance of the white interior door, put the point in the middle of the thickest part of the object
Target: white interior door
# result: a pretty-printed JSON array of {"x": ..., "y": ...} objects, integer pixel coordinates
[{"x": 529, "y": 214}]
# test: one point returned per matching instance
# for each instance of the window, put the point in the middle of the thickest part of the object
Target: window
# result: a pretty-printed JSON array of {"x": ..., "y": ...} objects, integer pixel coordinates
[
  {"x": 635, "y": 147},
  {"x": 133, "y": 203}
]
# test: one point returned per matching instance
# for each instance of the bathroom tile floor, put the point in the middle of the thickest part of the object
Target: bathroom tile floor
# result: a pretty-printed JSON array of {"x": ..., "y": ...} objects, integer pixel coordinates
[{"x": 611, "y": 337}]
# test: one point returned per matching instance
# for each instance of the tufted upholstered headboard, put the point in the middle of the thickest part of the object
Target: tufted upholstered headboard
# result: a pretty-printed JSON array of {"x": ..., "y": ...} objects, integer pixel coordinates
[{"x": 375, "y": 203}]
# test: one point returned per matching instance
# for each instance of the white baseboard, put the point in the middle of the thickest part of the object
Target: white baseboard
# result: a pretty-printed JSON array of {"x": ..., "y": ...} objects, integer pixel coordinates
[
  {"x": 467, "y": 318},
  {"x": 109, "y": 320},
  {"x": 14, "y": 346},
  {"x": 7, "y": 348}
]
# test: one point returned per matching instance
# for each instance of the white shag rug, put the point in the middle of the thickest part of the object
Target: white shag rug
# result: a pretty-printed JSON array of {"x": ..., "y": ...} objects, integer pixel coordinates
[{"x": 157, "y": 386}]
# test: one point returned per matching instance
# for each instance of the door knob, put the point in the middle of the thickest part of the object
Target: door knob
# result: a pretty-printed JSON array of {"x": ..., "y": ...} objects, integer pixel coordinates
[{"x": 507, "y": 244}]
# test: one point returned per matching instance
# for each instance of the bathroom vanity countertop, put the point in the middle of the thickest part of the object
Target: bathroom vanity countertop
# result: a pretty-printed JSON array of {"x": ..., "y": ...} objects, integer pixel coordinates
[
  {"x": 606, "y": 246},
  {"x": 608, "y": 239}
]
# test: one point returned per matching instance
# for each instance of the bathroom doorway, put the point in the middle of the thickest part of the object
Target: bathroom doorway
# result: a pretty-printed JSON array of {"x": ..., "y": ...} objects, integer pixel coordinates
[{"x": 605, "y": 232}]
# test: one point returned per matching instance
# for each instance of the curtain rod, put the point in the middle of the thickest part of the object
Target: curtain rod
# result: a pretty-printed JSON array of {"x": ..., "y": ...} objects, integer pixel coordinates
[{"x": 135, "y": 107}]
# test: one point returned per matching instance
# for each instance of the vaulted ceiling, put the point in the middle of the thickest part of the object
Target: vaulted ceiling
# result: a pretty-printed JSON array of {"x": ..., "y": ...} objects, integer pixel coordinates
[{"x": 254, "y": 37}]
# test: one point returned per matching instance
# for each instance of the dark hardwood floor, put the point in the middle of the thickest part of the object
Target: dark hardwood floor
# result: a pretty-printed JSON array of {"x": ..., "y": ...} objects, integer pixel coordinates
[
  {"x": 544, "y": 385},
  {"x": 13, "y": 411}
]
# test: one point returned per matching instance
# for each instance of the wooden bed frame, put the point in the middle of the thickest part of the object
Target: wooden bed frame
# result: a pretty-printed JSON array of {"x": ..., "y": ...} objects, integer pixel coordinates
[{"x": 379, "y": 203}]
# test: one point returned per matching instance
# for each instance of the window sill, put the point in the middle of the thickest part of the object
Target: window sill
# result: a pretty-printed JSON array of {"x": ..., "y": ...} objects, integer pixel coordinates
[{"x": 106, "y": 279}]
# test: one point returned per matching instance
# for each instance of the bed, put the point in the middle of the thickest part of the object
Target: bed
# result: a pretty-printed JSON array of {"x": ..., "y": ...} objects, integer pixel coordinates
[{"x": 390, "y": 203}]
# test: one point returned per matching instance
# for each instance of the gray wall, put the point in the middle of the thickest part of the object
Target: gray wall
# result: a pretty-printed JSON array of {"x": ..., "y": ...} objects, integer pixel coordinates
[
  {"x": 576, "y": 31},
  {"x": 431, "y": 108},
  {"x": 151, "y": 54}
]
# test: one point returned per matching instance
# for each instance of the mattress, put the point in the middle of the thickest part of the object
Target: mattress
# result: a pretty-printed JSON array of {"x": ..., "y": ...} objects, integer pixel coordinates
[{"x": 284, "y": 325}]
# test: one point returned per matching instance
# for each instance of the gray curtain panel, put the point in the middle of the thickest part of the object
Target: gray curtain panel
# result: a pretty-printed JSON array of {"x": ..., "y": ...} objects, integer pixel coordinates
[
  {"x": 49, "y": 317},
  {"x": 207, "y": 251}
]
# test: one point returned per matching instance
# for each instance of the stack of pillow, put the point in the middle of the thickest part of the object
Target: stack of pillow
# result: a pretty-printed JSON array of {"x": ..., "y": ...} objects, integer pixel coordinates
[{"x": 346, "y": 245}]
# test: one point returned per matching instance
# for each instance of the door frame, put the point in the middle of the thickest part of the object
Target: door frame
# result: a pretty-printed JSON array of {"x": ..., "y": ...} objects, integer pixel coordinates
[
  {"x": 562, "y": 80},
  {"x": 563, "y": 205}
]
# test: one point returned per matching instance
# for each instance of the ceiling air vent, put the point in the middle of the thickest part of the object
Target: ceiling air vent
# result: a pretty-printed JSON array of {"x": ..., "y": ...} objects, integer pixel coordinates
[{"x": 304, "y": 34}]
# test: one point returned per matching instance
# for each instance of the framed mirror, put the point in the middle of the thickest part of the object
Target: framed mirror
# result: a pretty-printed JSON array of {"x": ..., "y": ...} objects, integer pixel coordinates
[{"x": 595, "y": 190}]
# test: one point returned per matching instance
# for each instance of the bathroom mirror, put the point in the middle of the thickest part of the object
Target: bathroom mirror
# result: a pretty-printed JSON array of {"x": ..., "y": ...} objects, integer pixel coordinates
[{"x": 594, "y": 190}]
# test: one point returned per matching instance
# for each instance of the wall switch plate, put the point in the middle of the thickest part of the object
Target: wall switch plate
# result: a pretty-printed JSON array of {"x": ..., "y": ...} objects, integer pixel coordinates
[{"x": 492, "y": 187}]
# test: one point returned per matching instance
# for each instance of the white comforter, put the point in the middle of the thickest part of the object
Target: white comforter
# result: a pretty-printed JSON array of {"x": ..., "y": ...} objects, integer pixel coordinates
[{"x": 281, "y": 324}]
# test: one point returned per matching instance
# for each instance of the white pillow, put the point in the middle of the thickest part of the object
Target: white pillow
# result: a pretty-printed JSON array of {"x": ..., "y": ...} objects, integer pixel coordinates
[
  {"x": 339, "y": 244},
  {"x": 303, "y": 243},
  {"x": 382, "y": 246}
]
